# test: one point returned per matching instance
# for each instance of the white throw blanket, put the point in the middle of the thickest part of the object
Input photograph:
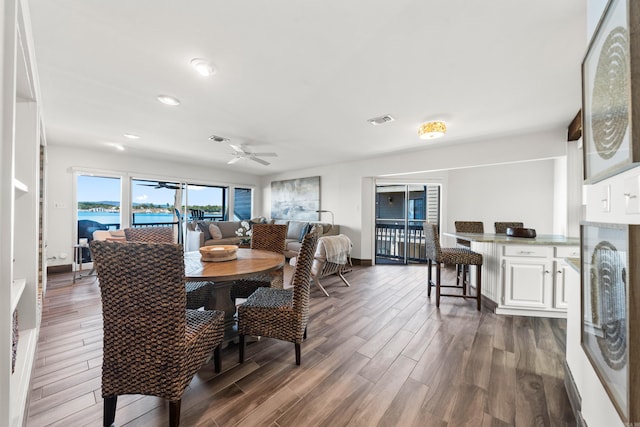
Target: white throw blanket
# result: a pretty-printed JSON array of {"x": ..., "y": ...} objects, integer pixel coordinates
[{"x": 337, "y": 248}]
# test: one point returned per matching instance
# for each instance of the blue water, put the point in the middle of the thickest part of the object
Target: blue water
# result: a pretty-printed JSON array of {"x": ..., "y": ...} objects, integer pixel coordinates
[{"x": 114, "y": 217}]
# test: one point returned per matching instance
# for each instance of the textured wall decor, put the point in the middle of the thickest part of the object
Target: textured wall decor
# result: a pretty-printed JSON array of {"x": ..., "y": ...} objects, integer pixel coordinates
[
  {"x": 296, "y": 199},
  {"x": 610, "y": 311},
  {"x": 608, "y": 96}
]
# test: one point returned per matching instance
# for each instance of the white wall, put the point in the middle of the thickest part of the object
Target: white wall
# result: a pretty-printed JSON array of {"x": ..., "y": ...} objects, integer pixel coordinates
[
  {"x": 511, "y": 192},
  {"x": 348, "y": 188},
  {"x": 62, "y": 161}
]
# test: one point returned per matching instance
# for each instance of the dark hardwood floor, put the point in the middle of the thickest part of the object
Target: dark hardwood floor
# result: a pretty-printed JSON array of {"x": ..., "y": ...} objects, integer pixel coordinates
[{"x": 378, "y": 354}]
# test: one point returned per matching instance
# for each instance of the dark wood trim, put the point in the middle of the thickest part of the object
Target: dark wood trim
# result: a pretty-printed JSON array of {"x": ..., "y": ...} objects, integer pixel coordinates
[
  {"x": 574, "y": 396},
  {"x": 59, "y": 268},
  {"x": 489, "y": 304},
  {"x": 362, "y": 262},
  {"x": 574, "y": 131}
]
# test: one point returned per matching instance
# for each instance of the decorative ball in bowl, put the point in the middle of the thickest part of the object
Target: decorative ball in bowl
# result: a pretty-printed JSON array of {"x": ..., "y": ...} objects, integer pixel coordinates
[
  {"x": 521, "y": 232},
  {"x": 217, "y": 253}
]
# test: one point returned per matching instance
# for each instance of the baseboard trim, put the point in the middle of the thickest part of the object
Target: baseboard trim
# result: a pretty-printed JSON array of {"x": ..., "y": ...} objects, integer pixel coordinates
[
  {"x": 489, "y": 304},
  {"x": 574, "y": 396},
  {"x": 362, "y": 262},
  {"x": 66, "y": 268}
]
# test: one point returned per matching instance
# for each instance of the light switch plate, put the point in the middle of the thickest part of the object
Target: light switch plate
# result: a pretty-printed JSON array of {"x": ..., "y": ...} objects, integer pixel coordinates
[{"x": 631, "y": 190}]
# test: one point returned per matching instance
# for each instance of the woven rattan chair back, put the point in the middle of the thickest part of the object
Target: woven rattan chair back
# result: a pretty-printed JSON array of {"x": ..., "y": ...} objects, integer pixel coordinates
[
  {"x": 153, "y": 345},
  {"x": 468, "y": 227},
  {"x": 431, "y": 242},
  {"x": 501, "y": 227},
  {"x": 269, "y": 237},
  {"x": 301, "y": 281},
  {"x": 150, "y": 235}
]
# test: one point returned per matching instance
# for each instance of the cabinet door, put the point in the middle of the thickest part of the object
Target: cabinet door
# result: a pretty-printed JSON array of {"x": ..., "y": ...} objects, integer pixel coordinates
[
  {"x": 527, "y": 283},
  {"x": 561, "y": 276}
]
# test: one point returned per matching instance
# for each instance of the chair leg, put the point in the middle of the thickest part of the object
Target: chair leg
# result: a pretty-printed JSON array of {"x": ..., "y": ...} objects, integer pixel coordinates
[
  {"x": 109, "y": 415},
  {"x": 305, "y": 333},
  {"x": 465, "y": 282},
  {"x": 429, "y": 278},
  {"x": 241, "y": 348},
  {"x": 217, "y": 358},
  {"x": 297, "y": 354},
  {"x": 479, "y": 286},
  {"x": 458, "y": 275},
  {"x": 437, "y": 284},
  {"x": 174, "y": 413}
]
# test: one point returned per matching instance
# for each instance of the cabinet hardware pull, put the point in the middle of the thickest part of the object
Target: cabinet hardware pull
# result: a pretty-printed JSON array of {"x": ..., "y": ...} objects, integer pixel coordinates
[{"x": 629, "y": 195}]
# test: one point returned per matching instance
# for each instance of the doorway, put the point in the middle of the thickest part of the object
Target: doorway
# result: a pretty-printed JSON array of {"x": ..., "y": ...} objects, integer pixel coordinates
[{"x": 401, "y": 211}]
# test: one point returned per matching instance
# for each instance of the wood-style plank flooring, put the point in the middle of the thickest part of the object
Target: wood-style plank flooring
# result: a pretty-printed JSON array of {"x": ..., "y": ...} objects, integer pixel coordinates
[{"x": 378, "y": 354}]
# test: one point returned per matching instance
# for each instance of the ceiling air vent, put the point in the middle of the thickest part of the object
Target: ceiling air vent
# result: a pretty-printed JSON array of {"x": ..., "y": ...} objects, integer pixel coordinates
[{"x": 381, "y": 120}]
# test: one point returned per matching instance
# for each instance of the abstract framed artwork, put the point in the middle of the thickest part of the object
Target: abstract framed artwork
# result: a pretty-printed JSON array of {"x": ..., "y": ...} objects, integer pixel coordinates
[
  {"x": 609, "y": 97},
  {"x": 610, "y": 311},
  {"x": 296, "y": 199}
]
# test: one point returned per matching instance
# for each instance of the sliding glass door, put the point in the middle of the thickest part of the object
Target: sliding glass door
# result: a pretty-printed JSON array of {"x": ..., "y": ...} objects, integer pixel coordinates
[{"x": 401, "y": 211}]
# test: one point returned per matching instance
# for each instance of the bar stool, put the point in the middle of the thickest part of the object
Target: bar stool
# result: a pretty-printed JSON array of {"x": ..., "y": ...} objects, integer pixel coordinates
[
  {"x": 466, "y": 227},
  {"x": 501, "y": 227},
  {"x": 466, "y": 257}
]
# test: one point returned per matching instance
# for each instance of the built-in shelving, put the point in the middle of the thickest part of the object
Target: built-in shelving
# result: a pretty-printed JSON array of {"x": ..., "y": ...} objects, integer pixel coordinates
[
  {"x": 22, "y": 279},
  {"x": 21, "y": 188},
  {"x": 16, "y": 292}
]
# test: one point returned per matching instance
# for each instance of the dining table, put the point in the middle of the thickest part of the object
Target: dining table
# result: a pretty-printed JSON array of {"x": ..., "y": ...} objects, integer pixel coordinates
[{"x": 223, "y": 274}]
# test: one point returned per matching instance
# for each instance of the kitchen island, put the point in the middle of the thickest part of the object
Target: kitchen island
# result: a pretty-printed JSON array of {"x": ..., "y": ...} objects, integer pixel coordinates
[{"x": 524, "y": 276}]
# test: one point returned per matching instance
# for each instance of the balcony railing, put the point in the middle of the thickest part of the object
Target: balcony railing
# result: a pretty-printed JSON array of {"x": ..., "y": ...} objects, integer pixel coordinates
[{"x": 391, "y": 240}]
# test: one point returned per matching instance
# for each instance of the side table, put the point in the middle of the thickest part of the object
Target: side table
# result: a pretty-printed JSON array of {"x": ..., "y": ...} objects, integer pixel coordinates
[{"x": 77, "y": 260}]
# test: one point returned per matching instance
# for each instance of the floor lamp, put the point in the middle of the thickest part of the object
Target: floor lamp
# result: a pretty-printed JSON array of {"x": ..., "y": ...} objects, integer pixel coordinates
[{"x": 324, "y": 210}]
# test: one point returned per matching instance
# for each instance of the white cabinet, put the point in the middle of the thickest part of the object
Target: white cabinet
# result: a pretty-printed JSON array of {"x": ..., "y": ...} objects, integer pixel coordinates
[
  {"x": 533, "y": 280},
  {"x": 22, "y": 255}
]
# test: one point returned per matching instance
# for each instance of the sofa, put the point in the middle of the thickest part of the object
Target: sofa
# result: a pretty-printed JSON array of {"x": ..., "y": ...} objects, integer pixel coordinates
[
  {"x": 199, "y": 235},
  {"x": 297, "y": 229}
]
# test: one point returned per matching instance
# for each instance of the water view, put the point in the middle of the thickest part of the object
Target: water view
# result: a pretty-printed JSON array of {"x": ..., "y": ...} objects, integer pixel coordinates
[{"x": 114, "y": 217}]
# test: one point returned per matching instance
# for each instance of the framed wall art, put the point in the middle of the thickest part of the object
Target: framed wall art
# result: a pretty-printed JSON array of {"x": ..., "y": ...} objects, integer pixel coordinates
[
  {"x": 296, "y": 199},
  {"x": 610, "y": 78},
  {"x": 610, "y": 310}
]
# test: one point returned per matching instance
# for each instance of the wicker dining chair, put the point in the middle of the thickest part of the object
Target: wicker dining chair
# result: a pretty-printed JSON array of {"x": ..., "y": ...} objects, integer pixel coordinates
[
  {"x": 436, "y": 254},
  {"x": 281, "y": 313},
  {"x": 153, "y": 345},
  {"x": 268, "y": 237},
  {"x": 501, "y": 227},
  {"x": 150, "y": 235}
]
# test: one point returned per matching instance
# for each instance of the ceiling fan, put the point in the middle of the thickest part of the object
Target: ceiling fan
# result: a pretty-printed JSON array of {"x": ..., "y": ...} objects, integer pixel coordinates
[
  {"x": 240, "y": 152},
  {"x": 169, "y": 185}
]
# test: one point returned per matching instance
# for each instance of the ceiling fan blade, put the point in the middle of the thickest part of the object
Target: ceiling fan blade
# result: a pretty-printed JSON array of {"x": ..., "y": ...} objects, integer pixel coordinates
[
  {"x": 265, "y": 154},
  {"x": 262, "y": 162},
  {"x": 232, "y": 161},
  {"x": 237, "y": 148}
]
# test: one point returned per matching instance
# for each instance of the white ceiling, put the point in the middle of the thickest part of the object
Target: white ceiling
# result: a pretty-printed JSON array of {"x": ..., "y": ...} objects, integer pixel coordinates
[{"x": 302, "y": 78}]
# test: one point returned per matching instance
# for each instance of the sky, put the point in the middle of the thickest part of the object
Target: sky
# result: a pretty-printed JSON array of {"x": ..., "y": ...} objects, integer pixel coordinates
[{"x": 97, "y": 189}]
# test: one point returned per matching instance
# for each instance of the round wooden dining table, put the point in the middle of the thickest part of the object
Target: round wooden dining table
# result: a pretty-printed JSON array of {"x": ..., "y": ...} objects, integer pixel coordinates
[{"x": 222, "y": 274}]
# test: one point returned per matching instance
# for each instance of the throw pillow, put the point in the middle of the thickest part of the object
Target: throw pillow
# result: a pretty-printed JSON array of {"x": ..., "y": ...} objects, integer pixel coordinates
[
  {"x": 204, "y": 227},
  {"x": 215, "y": 232},
  {"x": 304, "y": 231}
]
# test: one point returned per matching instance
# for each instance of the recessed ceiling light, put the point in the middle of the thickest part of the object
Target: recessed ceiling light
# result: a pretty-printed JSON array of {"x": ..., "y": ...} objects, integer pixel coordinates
[
  {"x": 169, "y": 100},
  {"x": 131, "y": 136},
  {"x": 203, "y": 67}
]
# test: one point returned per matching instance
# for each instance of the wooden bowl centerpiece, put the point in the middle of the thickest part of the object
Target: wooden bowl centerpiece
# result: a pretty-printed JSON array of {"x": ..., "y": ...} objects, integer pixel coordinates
[
  {"x": 217, "y": 253},
  {"x": 529, "y": 233}
]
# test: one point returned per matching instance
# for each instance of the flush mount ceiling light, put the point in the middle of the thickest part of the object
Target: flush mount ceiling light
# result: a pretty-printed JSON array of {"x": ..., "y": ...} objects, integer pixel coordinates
[
  {"x": 203, "y": 67},
  {"x": 169, "y": 100},
  {"x": 131, "y": 136},
  {"x": 432, "y": 130}
]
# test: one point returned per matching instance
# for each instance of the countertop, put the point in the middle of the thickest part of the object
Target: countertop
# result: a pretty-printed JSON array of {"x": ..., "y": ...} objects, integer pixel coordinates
[{"x": 543, "y": 239}]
